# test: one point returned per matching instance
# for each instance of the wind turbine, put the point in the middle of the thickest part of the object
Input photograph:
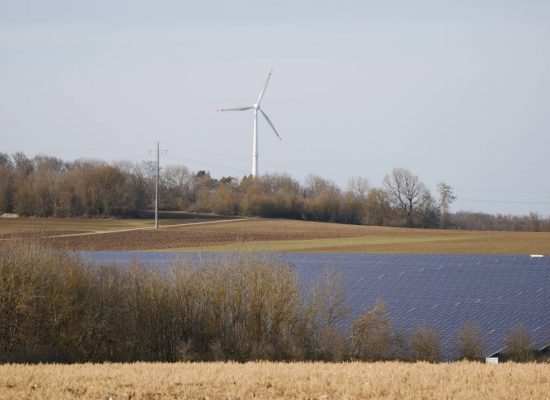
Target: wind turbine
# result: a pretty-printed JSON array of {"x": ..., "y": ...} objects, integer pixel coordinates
[{"x": 256, "y": 108}]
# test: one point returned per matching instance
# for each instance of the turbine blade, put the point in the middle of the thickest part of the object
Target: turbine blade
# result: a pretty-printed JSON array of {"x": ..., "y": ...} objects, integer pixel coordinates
[
  {"x": 236, "y": 109},
  {"x": 265, "y": 87},
  {"x": 270, "y": 124}
]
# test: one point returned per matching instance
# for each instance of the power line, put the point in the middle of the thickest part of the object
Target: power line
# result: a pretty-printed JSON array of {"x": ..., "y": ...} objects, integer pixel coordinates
[
  {"x": 246, "y": 170},
  {"x": 207, "y": 162},
  {"x": 504, "y": 201},
  {"x": 112, "y": 147},
  {"x": 141, "y": 156},
  {"x": 194, "y": 149},
  {"x": 497, "y": 190}
]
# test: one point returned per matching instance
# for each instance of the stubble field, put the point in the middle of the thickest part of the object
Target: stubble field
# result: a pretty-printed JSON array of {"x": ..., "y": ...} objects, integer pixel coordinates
[
  {"x": 391, "y": 380},
  {"x": 272, "y": 235}
]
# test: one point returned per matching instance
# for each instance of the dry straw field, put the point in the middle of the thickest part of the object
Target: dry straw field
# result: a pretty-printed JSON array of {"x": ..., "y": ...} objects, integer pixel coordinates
[{"x": 391, "y": 380}]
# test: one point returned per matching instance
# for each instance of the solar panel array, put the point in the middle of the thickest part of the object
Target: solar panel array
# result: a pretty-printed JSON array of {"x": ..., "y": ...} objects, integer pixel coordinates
[{"x": 444, "y": 292}]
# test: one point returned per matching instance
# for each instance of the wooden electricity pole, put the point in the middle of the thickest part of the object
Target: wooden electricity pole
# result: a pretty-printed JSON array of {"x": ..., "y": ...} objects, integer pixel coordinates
[{"x": 157, "y": 188}]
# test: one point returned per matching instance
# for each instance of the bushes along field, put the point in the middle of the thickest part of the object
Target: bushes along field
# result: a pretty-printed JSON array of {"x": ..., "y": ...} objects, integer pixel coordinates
[{"x": 53, "y": 307}]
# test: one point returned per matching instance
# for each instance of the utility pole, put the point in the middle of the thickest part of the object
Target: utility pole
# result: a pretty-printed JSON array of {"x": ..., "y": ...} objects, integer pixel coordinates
[
  {"x": 157, "y": 183},
  {"x": 157, "y": 188}
]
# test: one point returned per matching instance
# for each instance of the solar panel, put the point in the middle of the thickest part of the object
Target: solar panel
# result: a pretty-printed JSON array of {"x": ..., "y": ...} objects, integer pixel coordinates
[{"x": 444, "y": 292}]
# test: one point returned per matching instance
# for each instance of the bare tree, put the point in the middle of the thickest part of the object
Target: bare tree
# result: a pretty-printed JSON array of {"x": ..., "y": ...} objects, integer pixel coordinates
[
  {"x": 176, "y": 186},
  {"x": 425, "y": 344},
  {"x": 406, "y": 192},
  {"x": 401, "y": 346},
  {"x": 359, "y": 186},
  {"x": 519, "y": 344},
  {"x": 47, "y": 175},
  {"x": 371, "y": 336},
  {"x": 329, "y": 298},
  {"x": 446, "y": 197},
  {"x": 470, "y": 342},
  {"x": 378, "y": 210},
  {"x": 333, "y": 346},
  {"x": 322, "y": 199},
  {"x": 6, "y": 183},
  {"x": 353, "y": 204}
]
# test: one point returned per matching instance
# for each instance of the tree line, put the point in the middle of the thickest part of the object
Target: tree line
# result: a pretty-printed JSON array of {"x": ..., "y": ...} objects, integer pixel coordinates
[
  {"x": 56, "y": 308},
  {"x": 50, "y": 187}
]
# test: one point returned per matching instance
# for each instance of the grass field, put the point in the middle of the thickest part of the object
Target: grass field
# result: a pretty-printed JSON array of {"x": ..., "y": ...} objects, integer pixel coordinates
[
  {"x": 193, "y": 234},
  {"x": 421, "y": 242},
  {"x": 390, "y": 380}
]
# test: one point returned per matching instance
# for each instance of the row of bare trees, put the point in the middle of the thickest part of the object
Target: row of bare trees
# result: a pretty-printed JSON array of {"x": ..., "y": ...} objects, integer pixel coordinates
[
  {"x": 372, "y": 339},
  {"x": 54, "y": 307},
  {"x": 48, "y": 186}
]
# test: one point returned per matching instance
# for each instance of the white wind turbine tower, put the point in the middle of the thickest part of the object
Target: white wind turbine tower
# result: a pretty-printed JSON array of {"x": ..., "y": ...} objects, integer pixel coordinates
[{"x": 256, "y": 108}]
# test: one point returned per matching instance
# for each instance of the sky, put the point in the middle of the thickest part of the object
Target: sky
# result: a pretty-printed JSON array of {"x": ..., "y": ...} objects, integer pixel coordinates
[{"x": 455, "y": 91}]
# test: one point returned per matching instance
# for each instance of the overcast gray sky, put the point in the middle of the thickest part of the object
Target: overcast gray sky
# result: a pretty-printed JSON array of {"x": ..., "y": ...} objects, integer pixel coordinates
[{"x": 455, "y": 91}]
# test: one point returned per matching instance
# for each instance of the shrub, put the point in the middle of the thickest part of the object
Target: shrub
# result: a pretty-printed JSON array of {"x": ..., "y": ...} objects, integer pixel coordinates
[
  {"x": 470, "y": 342},
  {"x": 371, "y": 335},
  {"x": 326, "y": 308},
  {"x": 519, "y": 345},
  {"x": 401, "y": 347},
  {"x": 425, "y": 344},
  {"x": 54, "y": 307},
  {"x": 42, "y": 293},
  {"x": 332, "y": 344}
]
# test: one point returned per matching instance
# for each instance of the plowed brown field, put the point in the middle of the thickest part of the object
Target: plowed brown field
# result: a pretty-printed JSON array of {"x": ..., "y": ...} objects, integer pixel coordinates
[
  {"x": 280, "y": 235},
  {"x": 222, "y": 233}
]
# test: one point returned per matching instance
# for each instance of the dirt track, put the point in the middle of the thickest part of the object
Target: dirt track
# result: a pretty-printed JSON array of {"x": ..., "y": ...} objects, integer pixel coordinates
[{"x": 65, "y": 235}]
